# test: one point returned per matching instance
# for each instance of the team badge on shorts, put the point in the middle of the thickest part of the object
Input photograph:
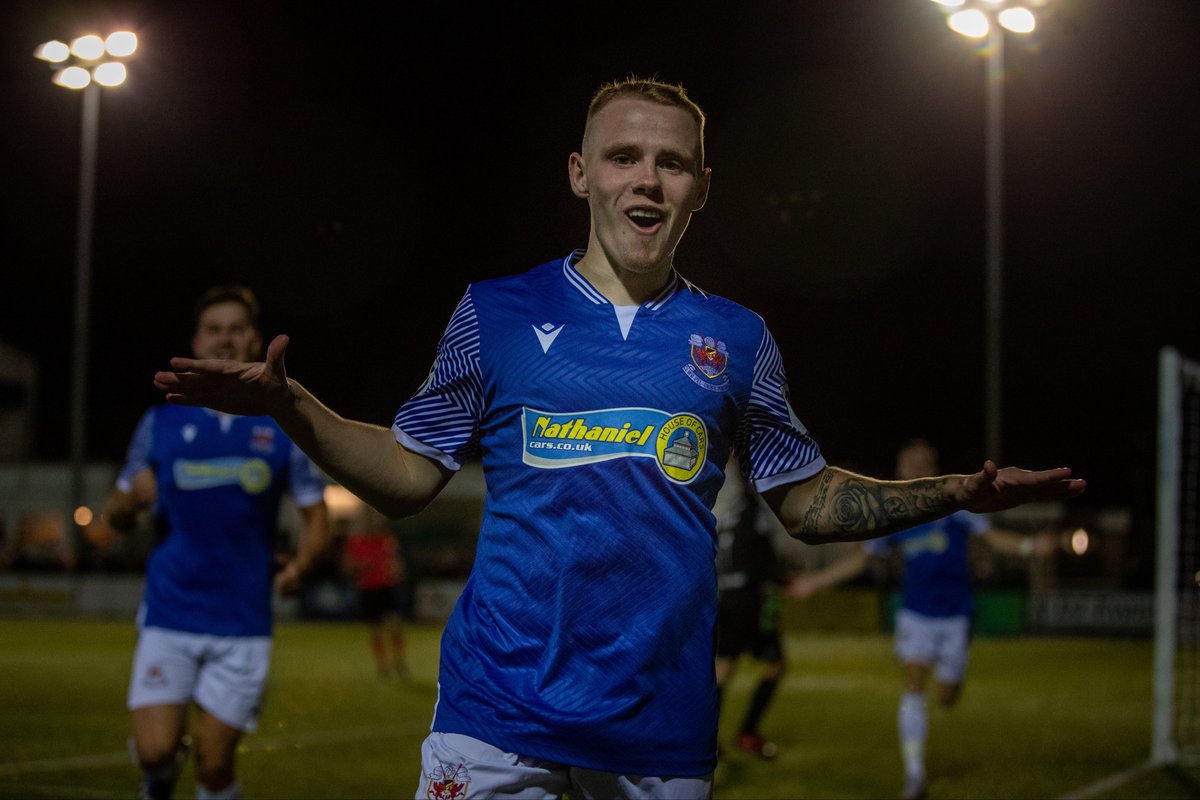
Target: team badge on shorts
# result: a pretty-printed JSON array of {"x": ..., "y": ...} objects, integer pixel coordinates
[
  {"x": 447, "y": 782},
  {"x": 154, "y": 677},
  {"x": 709, "y": 360}
]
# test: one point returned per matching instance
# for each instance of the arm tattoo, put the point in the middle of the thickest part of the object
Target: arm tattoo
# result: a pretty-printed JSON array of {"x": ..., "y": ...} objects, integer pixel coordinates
[
  {"x": 871, "y": 508},
  {"x": 812, "y": 519}
]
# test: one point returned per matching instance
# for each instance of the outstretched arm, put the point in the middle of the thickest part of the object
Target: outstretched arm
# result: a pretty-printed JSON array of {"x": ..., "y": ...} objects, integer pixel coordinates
[
  {"x": 364, "y": 458},
  {"x": 836, "y": 505},
  {"x": 850, "y": 566}
]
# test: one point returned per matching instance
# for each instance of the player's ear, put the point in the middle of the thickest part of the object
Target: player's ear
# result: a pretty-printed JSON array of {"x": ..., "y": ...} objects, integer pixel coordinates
[
  {"x": 577, "y": 174},
  {"x": 702, "y": 188}
]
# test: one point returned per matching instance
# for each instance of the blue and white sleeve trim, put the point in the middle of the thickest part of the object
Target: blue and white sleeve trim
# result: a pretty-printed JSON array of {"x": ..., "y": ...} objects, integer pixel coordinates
[
  {"x": 771, "y": 439},
  {"x": 441, "y": 420}
]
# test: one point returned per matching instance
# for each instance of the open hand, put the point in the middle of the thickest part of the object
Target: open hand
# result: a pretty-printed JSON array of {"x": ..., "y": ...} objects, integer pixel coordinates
[
  {"x": 994, "y": 489},
  {"x": 235, "y": 387}
]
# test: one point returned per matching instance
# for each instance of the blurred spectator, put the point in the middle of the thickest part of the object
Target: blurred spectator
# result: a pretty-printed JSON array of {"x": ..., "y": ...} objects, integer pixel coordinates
[{"x": 40, "y": 543}]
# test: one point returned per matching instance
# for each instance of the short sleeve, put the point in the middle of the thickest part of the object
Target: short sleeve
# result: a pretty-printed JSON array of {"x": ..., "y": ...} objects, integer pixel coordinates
[
  {"x": 772, "y": 445},
  {"x": 441, "y": 421},
  {"x": 137, "y": 457}
]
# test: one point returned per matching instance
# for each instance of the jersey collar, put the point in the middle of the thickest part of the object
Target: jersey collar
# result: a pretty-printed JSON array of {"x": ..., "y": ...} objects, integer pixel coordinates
[{"x": 574, "y": 278}]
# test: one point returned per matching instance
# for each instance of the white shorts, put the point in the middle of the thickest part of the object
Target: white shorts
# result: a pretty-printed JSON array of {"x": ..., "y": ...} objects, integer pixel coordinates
[
  {"x": 224, "y": 675},
  {"x": 940, "y": 641},
  {"x": 455, "y": 767}
]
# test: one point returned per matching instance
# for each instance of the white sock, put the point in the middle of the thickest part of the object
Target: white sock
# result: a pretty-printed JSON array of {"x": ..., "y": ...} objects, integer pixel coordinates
[
  {"x": 231, "y": 792},
  {"x": 914, "y": 727}
]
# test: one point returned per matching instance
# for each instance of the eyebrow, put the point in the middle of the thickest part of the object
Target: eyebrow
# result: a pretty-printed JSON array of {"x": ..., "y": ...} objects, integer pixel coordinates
[{"x": 618, "y": 147}]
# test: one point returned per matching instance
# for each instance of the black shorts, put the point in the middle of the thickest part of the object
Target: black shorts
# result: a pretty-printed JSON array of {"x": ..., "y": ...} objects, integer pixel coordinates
[
  {"x": 376, "y": 603},
  {"x": 748, "y": 626}
]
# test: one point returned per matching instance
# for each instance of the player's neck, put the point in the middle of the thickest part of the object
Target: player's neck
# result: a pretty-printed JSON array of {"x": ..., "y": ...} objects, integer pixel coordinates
[{"x": 622, "y": 286}]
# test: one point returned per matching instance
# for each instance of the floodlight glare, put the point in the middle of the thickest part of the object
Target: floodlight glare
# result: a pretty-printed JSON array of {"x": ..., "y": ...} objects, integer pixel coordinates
[
  {"x": 950, "y": 3},
  {"x": 972, "y": 23},
  {"x": 72, "y": 77},
  {"x": 121, "y": 43},
  {"x": 1017, "y": 20},
  {"x": 110, "y": 73},
  {"x": 54, "y": 51},
  {"x": 1080, "y": 541},
  {"x": 89, "y": 47}
]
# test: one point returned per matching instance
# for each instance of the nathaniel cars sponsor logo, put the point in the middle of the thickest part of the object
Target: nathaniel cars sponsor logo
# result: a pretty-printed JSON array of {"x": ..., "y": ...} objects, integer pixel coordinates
[
  {"x": 252, "y": 474},
  {"x": 677, "y": 442}
]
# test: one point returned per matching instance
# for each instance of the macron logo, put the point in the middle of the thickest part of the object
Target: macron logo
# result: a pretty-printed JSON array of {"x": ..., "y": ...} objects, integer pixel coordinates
[{"x": 546, "y": 334}]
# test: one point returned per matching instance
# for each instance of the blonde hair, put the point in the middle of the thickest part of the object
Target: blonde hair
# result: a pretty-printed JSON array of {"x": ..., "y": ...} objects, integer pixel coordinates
[{"x": 654, "y": 90}]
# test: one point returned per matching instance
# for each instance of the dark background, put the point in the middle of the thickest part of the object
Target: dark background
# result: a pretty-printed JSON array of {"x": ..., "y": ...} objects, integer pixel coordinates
[{"x": 359, "y": 163}]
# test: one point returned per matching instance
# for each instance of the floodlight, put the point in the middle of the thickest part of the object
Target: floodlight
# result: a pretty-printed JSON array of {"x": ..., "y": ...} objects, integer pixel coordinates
[
  {"x": 72, "y": 77},
  {"x": 972, "y": 23},
  {"x": 84, "y": 66},
  {"x": 110, "y": 73},
  {"x": 1017, "y": 20},
  {"x": 121, "y": 43},
  {"x": 88, "y": 48},
  {"x": 53, "y": 51}
]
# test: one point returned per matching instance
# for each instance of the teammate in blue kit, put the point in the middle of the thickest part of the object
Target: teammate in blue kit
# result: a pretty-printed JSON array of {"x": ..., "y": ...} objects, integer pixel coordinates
[
  {"x": 216, "y": 482},
  {"x": 604, "y": 394},
  {"x": 933, "y": 623}
]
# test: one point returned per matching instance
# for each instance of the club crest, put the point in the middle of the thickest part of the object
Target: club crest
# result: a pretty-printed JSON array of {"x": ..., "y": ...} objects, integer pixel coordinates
[
  {"x": 447, "y": 782},
  {"x": 709, "y": 360}
]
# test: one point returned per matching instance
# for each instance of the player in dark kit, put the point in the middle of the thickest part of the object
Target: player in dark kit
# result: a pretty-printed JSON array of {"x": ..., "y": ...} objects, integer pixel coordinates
[{"x": 750, "y": 578}]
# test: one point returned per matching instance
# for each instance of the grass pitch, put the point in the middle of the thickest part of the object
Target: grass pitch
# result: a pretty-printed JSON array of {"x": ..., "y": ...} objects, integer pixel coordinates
[{"x": 1040, "y": 718}]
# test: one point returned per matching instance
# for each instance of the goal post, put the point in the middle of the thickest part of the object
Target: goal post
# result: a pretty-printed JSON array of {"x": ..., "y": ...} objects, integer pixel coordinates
[{"x": 1176, "y": 724}]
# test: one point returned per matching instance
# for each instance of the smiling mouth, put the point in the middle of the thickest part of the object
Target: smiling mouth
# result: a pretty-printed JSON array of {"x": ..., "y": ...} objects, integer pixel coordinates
[{"x": 644, "y": 217}]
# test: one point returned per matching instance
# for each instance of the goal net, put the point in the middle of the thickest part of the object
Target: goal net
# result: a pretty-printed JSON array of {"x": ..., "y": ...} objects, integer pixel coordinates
[{"x": 1176, "y": 732}]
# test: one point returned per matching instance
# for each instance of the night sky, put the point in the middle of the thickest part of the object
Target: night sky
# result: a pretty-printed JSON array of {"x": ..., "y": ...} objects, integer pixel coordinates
[{"x": 359, "y": 163}]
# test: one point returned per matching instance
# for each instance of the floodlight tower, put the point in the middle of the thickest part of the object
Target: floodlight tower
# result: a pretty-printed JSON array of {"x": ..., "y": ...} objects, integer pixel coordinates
[
  {"x": 88, "y": 63},
  {"x": 987, "y": 20}
]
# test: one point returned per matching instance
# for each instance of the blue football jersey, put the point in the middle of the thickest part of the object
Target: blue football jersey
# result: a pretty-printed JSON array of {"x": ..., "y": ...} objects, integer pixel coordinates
[
  {"x": 220, "y": 481},
  {"x": 584, "y": 635},
  {"x": 937, "y": 576}
]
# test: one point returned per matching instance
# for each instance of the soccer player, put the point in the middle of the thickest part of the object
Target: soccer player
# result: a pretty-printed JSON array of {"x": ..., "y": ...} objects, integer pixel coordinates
[
  {"x": 751, "y": 576},
  {"x": 371, "y": 557},
  {"x": 933, "y": 624},
  {"x": 603, "y": 393},
  {"x": 215, "y": 482}
]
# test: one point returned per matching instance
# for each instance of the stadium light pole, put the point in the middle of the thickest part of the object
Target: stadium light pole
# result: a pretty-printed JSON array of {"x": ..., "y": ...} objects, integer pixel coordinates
[
  {"x": 87, "y": 64},
  {"x": 987, "y": 20}
]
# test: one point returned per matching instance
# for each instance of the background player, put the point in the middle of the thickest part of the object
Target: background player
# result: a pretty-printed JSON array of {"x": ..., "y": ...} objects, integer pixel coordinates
[
  {"x": 216, "y": 482},
  {"x": 372, "y": 558},
  {"x": 932, "y": 626},
  {"x": 750, "y": 577},
  {"x": 604, "y": 395}
]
